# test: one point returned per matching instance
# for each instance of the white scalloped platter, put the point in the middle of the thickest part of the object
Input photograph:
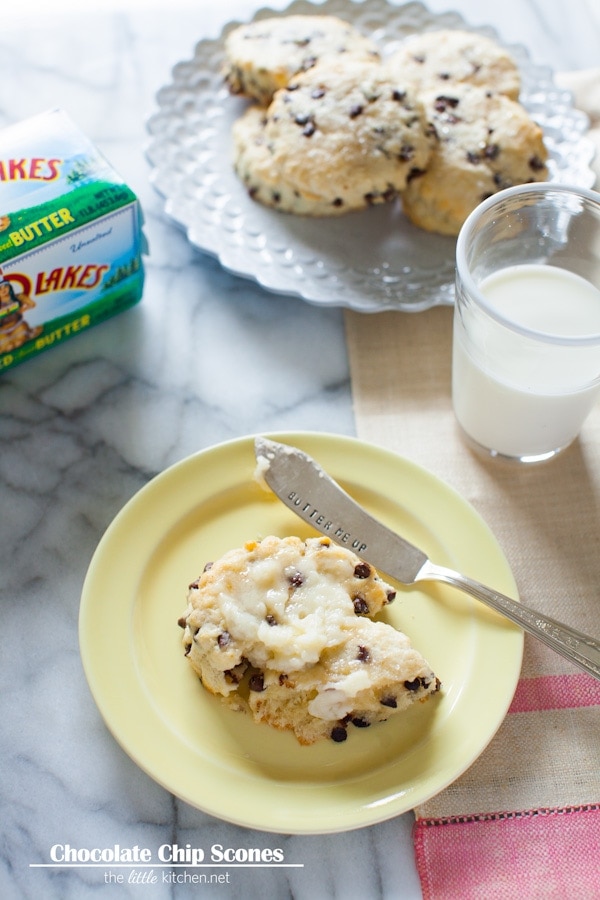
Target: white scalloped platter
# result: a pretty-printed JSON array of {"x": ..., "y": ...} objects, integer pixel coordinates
[{"x": 367, "y": 261}]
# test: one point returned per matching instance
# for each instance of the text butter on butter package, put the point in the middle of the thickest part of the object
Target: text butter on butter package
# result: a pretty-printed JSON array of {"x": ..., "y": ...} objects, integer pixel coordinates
[{"x": 71, "y": 240}]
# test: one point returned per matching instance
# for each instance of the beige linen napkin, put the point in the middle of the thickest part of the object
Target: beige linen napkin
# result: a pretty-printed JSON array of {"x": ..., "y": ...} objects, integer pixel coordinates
[{"x": 502, "y": 828}]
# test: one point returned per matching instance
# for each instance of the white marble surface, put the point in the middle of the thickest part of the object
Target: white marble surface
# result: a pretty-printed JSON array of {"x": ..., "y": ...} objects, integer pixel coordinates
[{"x": 205, "y": 357}]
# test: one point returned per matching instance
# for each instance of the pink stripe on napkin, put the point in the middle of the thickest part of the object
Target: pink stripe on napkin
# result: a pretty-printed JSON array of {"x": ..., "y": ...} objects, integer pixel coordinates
[
  {"x": 550, "y": 853},
  {"x": 556, "y": 692}
]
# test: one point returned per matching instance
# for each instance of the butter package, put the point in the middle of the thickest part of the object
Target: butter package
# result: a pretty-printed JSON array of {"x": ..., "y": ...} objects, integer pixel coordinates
[{"x": 71, "y": 239}]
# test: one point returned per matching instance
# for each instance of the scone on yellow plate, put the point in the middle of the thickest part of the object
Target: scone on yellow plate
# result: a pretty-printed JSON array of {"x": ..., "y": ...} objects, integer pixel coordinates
[
  {"x": 485, "y": 142},
  {"x": 340, "y": 137},
  {"x": 281, "y": 628},
  {"x": 262, "y": 57}
]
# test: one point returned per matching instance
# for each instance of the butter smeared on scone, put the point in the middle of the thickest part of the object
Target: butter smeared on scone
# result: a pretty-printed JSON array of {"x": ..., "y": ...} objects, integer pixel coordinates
[{"x": 282, "y": 628}]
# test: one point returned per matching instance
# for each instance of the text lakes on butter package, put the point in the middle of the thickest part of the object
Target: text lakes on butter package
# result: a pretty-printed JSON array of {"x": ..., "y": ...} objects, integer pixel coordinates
[{"x": 71, "y": 240}]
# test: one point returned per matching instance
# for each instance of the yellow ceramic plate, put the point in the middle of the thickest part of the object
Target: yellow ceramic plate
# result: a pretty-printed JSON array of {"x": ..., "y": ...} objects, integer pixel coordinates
[{"x": 221, "y": 761}]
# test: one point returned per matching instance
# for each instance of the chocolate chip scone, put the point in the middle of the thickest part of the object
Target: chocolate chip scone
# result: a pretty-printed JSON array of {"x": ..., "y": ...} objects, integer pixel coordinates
[
  {"x": 341, "y": 137},
  {"x": 372, "y": 674},
  {"x": 485, "y": 142},
  {"x": 436, "y": 59},
  {"x": 262, "y": 57},
  {"x": 281, "y": 628}
]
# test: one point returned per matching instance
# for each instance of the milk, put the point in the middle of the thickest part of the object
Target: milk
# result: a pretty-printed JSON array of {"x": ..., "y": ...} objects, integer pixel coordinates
[{"x": 520, "y": 394}]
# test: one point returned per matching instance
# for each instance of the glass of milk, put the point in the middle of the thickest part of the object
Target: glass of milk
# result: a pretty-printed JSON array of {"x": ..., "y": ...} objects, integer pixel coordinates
[{"x": 526, "y": 351}]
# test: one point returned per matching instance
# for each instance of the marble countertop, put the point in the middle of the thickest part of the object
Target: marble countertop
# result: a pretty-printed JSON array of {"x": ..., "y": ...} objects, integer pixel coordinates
[{"x": 204, "y": 358}]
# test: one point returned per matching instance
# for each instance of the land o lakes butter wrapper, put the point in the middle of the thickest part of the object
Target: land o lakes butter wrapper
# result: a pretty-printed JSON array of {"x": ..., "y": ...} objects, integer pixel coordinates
[{"x": 71, "y": 239}]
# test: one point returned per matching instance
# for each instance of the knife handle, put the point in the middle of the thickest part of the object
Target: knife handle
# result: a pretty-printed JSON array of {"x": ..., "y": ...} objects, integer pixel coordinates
[{"x": 575, "y": 646}]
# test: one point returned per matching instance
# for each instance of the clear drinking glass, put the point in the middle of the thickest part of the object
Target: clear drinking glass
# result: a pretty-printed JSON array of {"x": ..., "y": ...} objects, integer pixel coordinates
[{"x": 526, "y": 352}]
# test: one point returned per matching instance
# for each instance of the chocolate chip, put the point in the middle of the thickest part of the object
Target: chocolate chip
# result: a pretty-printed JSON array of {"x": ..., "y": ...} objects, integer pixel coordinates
[
  {"x": 442, "y": 103},
  {"x": 360, "y": 723},
  {"x": 473, "y": 158},
  {"x": 361, "y": 607},
  {"x": 407, "y": 151},
  {"x": 415, "y": 172},
  {"x": 536, "y": 163},
  {"x": 182, "y": 621},
  {"x": 390, "y": 596},
  {"x": 339, "y": 734},
  {"x": 363, "y": 654},
  {"x": 282, "y": 678},
  {"x": 224, "y": 639},
  {"x": 297, "y": 579},
  {"x": 257, "y": 682},
  {"x": 389, "y": 701},
  {"x": 308, "y": 63},
  {"x": 318, "y": 93},
  {"x": 399, "y": 96},
  {"x": 356, "y": 111},
  {"x": 491, "y": 151},
  {"x": 309, "y": 129},
  {"x": 339, "y": 201},
  {"x": 413, "y": 685},
  {"x": 195, "y": 583},
  {"x": 271, "y": 620},
  {"x": 362, "y": 570}
]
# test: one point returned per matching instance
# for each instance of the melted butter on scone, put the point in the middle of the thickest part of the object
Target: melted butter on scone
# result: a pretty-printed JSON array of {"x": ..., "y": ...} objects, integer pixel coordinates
[{"x": 286, "y": 622}]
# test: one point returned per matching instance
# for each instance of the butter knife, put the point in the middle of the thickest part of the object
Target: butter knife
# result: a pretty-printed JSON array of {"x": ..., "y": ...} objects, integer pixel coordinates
[{"x": 318, "y": 500}]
